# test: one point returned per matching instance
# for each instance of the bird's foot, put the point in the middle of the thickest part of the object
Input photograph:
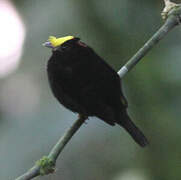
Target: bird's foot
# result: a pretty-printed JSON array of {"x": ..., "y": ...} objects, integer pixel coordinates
[{"x": 81, "y": 116}]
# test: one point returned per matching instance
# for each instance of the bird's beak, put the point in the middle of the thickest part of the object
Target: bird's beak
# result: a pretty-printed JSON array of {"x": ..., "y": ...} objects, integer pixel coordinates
[{"x": 47, "y": 44}]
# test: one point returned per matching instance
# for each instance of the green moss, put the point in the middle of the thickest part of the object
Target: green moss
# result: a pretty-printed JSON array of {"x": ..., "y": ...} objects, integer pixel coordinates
[{"x": 46, "y": 165}]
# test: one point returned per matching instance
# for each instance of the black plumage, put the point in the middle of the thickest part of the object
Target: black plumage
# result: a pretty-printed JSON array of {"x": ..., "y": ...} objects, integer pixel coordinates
[{"x": 84, "y": 83}]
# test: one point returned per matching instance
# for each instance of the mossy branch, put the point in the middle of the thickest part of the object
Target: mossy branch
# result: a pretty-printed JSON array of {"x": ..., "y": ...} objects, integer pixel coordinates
[{"x": 46, "y": 165}]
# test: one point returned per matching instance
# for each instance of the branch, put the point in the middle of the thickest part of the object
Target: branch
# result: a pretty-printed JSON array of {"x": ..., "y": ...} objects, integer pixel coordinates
[
  {"x": 169, "y": 24},
  {"x": 173, "y": 12},
  {"x": 46, "y": 165}
]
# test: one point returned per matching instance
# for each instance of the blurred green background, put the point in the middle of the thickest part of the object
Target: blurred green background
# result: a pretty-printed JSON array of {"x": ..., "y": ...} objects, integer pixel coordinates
[{"x": 31, "y": 120}]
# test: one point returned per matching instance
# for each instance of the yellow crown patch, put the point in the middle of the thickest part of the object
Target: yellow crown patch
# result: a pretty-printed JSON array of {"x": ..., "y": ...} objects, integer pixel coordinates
[{"x": 59, "y": 41}]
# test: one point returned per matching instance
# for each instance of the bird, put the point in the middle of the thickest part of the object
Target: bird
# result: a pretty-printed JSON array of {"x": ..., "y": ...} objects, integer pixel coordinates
[{"x": 85, "y": 84}]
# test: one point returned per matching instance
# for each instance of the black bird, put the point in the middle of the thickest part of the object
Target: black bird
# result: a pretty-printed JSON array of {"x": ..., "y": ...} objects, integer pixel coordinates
[{"x": 84, "y": 83}]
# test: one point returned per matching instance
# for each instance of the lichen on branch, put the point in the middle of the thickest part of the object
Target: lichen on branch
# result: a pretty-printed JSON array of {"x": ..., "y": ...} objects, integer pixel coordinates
[{"x": 168, "y": 7}]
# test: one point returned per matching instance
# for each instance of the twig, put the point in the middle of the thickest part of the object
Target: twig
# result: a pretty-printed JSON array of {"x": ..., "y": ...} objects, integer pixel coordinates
[
  {"x": 65, "y": 138},
  {"x": 46, "y": 165},
  {"x": 169, "y": 24},
  {"x": 50, "y": 160}
]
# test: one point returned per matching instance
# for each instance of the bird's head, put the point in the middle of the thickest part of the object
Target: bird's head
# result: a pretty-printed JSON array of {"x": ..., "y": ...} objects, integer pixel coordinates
[
  {"x": 63, "y": 42},
  {"x": 54, "y": 42}
]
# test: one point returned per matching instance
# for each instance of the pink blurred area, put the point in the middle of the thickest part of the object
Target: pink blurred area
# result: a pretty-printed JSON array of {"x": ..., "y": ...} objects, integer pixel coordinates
[
  {"x": 12, "y": 38},
  {"x": 12, "y": 34}
]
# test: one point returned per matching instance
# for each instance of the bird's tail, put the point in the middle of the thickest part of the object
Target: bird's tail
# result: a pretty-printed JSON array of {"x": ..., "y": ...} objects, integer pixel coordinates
[{"x": 131, "y": 128}]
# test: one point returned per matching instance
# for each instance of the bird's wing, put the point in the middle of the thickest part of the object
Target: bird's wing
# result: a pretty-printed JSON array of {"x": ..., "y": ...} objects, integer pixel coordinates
[
  {"x": 99, "y": 88},
  {"x": 105, "y": 82}
]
